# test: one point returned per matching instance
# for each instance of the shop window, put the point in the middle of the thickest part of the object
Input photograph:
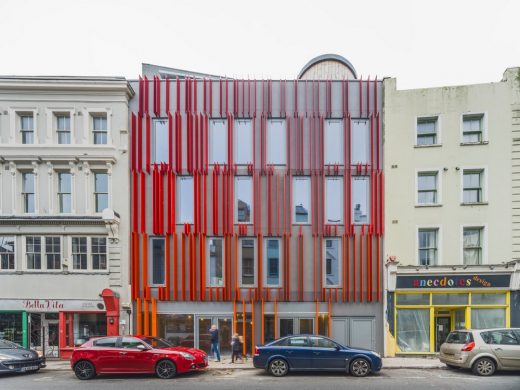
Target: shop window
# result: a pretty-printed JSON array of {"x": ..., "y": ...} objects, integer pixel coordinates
[
  {"x": 449, "y": 299},
  {"x": 79, "y": 253},
  {"x": 413, "y": 330},
  {"x": 218, "y": 141},
  {"x": 7, "y": 252},
  {"x": 272, "y": 262},
  {"x": 157, "y": 262},
  {"x": 334, "y": 141},
  {"x": 334, "y": 200},
  {"x": 160, "y": 141},
  {"x": 53, "y": 253},
  {"x": 323, "y": 325},
  {"x": 216, "y": 266},
  {"x": 63, "y": 128},
  {"x": 28, "y": 192},
  {"x": 247, "y": 262},
  {"x": 88, "y": 325},
  {"x": 301, "y": 200},
  {"x": 413, "y": 299},
  {"x": 184, "y": 199},
  {"x": 488, "y": 318},
  {"x": 276, "y": 142},
  {"x": 269, "y": 334},
  {"x": 177, "y": 329},
  {"x": 428, "y": 246},
  {"x": 12, "y": 326},
  {"x": 488, "y": 299},
  {"x": 332, "y": 262},
  {"x": 243, "y": 141},
  {"x": 360, "y": 142},
  {"x": 244, "y": 199},
  {"x": 101, "y": 191},
  {"x": 100, "y": 129},
  {"x": 472, "y": 186},
  {"x": 472, "y": 128},
  {"x": 65, "y": 192},
  {"x": 360, "y": 200},
  {"x": 427, "y": 188},
  {"x": 472, "y": 242},
  {"x": 427, "y": 131}
]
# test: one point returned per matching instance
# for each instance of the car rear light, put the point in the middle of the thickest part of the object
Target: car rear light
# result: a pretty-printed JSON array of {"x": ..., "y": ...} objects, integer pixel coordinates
[
  {"x": 468, "y": 347},
  {"x": 257, "y": 351}
]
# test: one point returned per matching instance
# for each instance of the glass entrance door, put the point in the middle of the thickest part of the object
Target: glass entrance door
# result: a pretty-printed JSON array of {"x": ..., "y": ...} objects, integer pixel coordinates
[
  {"x": 225, "y": 332},
  {"x": 442, "y": 329}
]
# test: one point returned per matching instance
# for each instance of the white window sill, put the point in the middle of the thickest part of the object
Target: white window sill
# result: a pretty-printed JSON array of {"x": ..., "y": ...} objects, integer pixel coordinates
[
  {"x": 474, "y": 143},
  {"x": 475, "y": 204},
  {"x": 427, "y": 146},
  {"x": 429, "y": 205}
]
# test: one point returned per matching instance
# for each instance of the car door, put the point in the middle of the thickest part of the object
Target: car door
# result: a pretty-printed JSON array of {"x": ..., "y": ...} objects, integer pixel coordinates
[
  {"x": 298, "y": 353},
  {"x": 327, "y": 355},
  {"x": 106, "y": 354},
  {"x": 506, "y": 347},
  {"x": 135, "y": 356}
]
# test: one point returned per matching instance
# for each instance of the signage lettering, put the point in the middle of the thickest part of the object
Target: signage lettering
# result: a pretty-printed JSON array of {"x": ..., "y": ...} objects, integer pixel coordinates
[{"x": 453, "y": 281}]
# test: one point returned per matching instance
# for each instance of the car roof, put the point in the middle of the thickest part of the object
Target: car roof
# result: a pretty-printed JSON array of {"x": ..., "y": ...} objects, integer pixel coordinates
[{"x": 484, "y": 330}]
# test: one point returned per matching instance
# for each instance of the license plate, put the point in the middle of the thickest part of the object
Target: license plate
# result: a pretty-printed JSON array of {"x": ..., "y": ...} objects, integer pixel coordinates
[{"x": 30, "y": 368}]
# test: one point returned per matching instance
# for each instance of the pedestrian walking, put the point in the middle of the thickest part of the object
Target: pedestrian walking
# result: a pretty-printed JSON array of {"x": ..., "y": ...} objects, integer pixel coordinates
[
  {"x": 215, "y": 348},
  {"x": 237, "y": 345}
]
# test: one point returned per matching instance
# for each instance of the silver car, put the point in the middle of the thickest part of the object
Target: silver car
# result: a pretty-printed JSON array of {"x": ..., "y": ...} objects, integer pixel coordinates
[{"x": 482, "y": 350}]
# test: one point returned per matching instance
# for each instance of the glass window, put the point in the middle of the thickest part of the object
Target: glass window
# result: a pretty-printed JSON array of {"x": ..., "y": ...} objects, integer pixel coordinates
[
  {"x": 472, "y": 127},
  {"x": 177, "y": 329},
  {"x": 107, "y": 342},
  {"x": 320, "y": 342},
  {"x": 160, "y": 141},
  {"x": 276, "y": 142},
  {"x": 65, "y": 192},
  {"x": 243, "y": 141},
  {"x": 101, "y": 191},
  {"x": 99, "y": 129},
  {"x": 413, "y": 299},
  {"x": 449, "y": 299},
  {"x": 500, "y": 337},
  {"x": 334, "y": 141},
  {"x": 298, "y": 342},
  {"x": 218, "y": 141},
  {"x": 459, "y": 338},
  {"x": 87, "y": 325},
  {"x": 272, "y": 259},
  {"x": 99, "y": 252},
  {"x": 216, "y": 265},
  {"x": 427, "y": 131},
  {"x": 53, "y": 252},
  {"x": 428, "y": 246},
  {"x": 157, "y": 342},
  {"x": 244, "y": 198},
  {"x": 488, "y": 318},
  {"x": 11, "y": 327},
  {"x": 472, "y": 245},
  {"x": 472, "y": 183},
  {"x": 33, "y": 252},
  {"x": 301, "y": 199},
  {"x": 158, "y": 261},
  {"x": 269, "y": 328},
  {"x": 360, "y": 200},
  {"x": 27, "y": 129},
  {"x": 488, "y": 299},
  {"x": 131, "y": 343},
  {"x": 63, "y": 128},
  {"x": 185, "y": 199},
  {"x": 360, "y": 142},
  {"x": 79, "y": 253},
  {"x": 7, "y": 245},
  {"x": 413, "y": 330},
  {"x": 332, "y": 261},
  {"x": 28, "y": 189},
  {"x": 427, "y": 187},
  {"x": 334, "y": 200},
  {"x": 247, "y": 258}
]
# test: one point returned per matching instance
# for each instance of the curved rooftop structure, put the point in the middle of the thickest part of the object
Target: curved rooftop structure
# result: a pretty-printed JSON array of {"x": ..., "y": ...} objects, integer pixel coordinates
[{"x": 328, "y": 66}]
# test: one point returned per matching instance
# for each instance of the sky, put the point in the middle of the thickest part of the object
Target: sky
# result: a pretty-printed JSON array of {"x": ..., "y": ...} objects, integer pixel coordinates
[{"x": 421, "y": 43}]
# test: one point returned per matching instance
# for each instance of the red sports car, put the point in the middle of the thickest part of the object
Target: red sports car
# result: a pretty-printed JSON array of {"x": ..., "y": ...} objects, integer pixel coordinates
[{"x": 135, "y": 355}]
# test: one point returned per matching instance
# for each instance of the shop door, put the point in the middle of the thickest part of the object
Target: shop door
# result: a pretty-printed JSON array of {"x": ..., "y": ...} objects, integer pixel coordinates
[
  {"x": 203, "y": 337},
  {"x": 442, "y": 329}
]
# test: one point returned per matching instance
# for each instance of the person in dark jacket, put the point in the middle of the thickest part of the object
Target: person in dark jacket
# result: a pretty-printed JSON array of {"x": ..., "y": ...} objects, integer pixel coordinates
[
  {"x": 237, "y": 348},
  {"x": 215, "y": 348}
]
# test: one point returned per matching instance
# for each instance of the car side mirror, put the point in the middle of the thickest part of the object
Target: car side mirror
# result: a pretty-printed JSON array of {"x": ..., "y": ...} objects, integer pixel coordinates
[{"x": 142, "y": 347}]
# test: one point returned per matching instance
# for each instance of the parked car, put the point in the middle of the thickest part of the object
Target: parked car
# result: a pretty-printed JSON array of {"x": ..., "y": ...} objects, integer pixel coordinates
[
  {"x": 483, "y": 351},
  {"x": 160, "y": 343},
  {"x": 15, "y": 358},
  {"x": 133, "y": 355},
  {"x": 314, "y": 353}
]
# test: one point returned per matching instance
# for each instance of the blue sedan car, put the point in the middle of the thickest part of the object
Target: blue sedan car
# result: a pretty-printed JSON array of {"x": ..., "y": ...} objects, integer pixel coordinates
[{"x": 314, "y": 353}]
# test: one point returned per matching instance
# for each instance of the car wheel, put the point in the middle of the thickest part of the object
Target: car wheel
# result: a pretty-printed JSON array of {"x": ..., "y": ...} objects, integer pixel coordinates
[
  {"x": 278, "y": 367},
  {"x": 484, "y": 367},
  {"x": 84, "y": 370},
  {"x": 360, "y": 367},
  {"x": 452, "y": 366},
  {"x": 166, "y": 369}
]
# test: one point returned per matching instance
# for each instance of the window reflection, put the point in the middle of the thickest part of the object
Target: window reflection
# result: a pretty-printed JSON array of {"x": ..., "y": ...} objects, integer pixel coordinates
[
  {"x": 301, "y": 199},
  {"x": 215, "y": 262},
  {"x": 185, "y": 199},
  {"x": 276, "y": 142},
  {"x": 334, "y": 206},
  {"x": 334, "y": 141},
  {"x": 218, "y": 141},
  {"x": 247, "y": 247},
  {"x": 360, "y": 149},
  {"x": 177, "y": 329},
  {"x": 332, "y": 262},
  {"x": 360, "y": 199},
  {"x": 273, "y": 262},
  {"x": 244, "y": 199},
  {"x": 243, "y": 141},
  {"x": 160, "y": 140}
]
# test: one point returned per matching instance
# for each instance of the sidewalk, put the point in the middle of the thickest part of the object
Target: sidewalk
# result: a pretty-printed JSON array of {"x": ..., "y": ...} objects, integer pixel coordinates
[{"x": 225, "y": 364}]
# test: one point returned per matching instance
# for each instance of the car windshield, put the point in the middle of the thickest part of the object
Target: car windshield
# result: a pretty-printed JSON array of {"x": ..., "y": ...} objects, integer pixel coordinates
[
  {"x": 4, "y": 344},
  {"x": 459, "y": 338},
  {"x": 157, "y": 342}
]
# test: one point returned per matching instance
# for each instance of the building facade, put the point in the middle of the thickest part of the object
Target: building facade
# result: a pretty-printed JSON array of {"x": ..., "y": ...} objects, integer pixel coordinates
[
  {"x": 451, "y": 224},
  {"x": 64, "y": 273},
  {"x": 257, "y": 206}
]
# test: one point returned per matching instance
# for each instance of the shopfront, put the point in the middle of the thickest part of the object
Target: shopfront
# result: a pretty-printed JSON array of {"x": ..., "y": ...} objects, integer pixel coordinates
[{"x": 424, "y": 308}]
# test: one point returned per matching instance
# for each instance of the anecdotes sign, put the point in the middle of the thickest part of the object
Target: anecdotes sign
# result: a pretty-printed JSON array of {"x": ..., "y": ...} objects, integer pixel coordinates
[{"x": 454, "y": 281}]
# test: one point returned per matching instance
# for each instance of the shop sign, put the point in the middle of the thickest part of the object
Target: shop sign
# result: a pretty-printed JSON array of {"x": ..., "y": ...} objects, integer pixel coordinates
[
  {"x": 454, "y": 281},
  {"x": 51, "y": 305}
]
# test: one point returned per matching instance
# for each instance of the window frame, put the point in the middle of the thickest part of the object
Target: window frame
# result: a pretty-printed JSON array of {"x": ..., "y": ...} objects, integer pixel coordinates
[
  {"x": 251, "y": 203},
  {"x": 438, "y": 187},
  {"x": 483, "y": 184},
  {"x": 25, "y": 194},
  {"x": 240, "y": 263},
  {"x": 90, "y": 254},
  {"x": 14, "y": 237},
  {"x": 341, "y": 143},
  {"x": 237, "y": 146},
  {"x": 59, "y": 193},
  {"x": 483, "y": 128},
  {"x": 151, "y": 259},
  {"x": 340, "y": 261},
  {"x": 353, "y": 143},
  {"x": 208, "y": 262},
  {"x": 438, "y": 133},
  {"x": 266, "y": 265},
  {"x": 342, "y": 197},
  {"x": 293, "y": 206},
  {"x": 26, "y": 114},
  {"x": 178, "y": 202},
  {"x": 483, "y": 243},
  {"x": 154, "y": 141},
  {"x": 99, "y": 114},
  {"x": 45, "y": 253},
  {"x": 96, "y": 193},
  {"x": 368, "y": 204},
  {"x": 438, "y": 249},
  {"x": 211, "y": 136},
  {"x": 283, "y": 139},
  {"x": 55, "y": 119}
]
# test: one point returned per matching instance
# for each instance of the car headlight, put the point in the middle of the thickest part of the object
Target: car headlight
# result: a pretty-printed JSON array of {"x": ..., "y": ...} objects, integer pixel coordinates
[
  {"x": 4, "y": 357},
  {"x": 187, "y": 355}
]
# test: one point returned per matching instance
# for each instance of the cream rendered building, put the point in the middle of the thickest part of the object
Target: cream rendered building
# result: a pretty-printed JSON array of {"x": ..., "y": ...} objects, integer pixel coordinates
[
  {"x": 451, "y": 210},
  {"x": 64, "y": 210}
]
